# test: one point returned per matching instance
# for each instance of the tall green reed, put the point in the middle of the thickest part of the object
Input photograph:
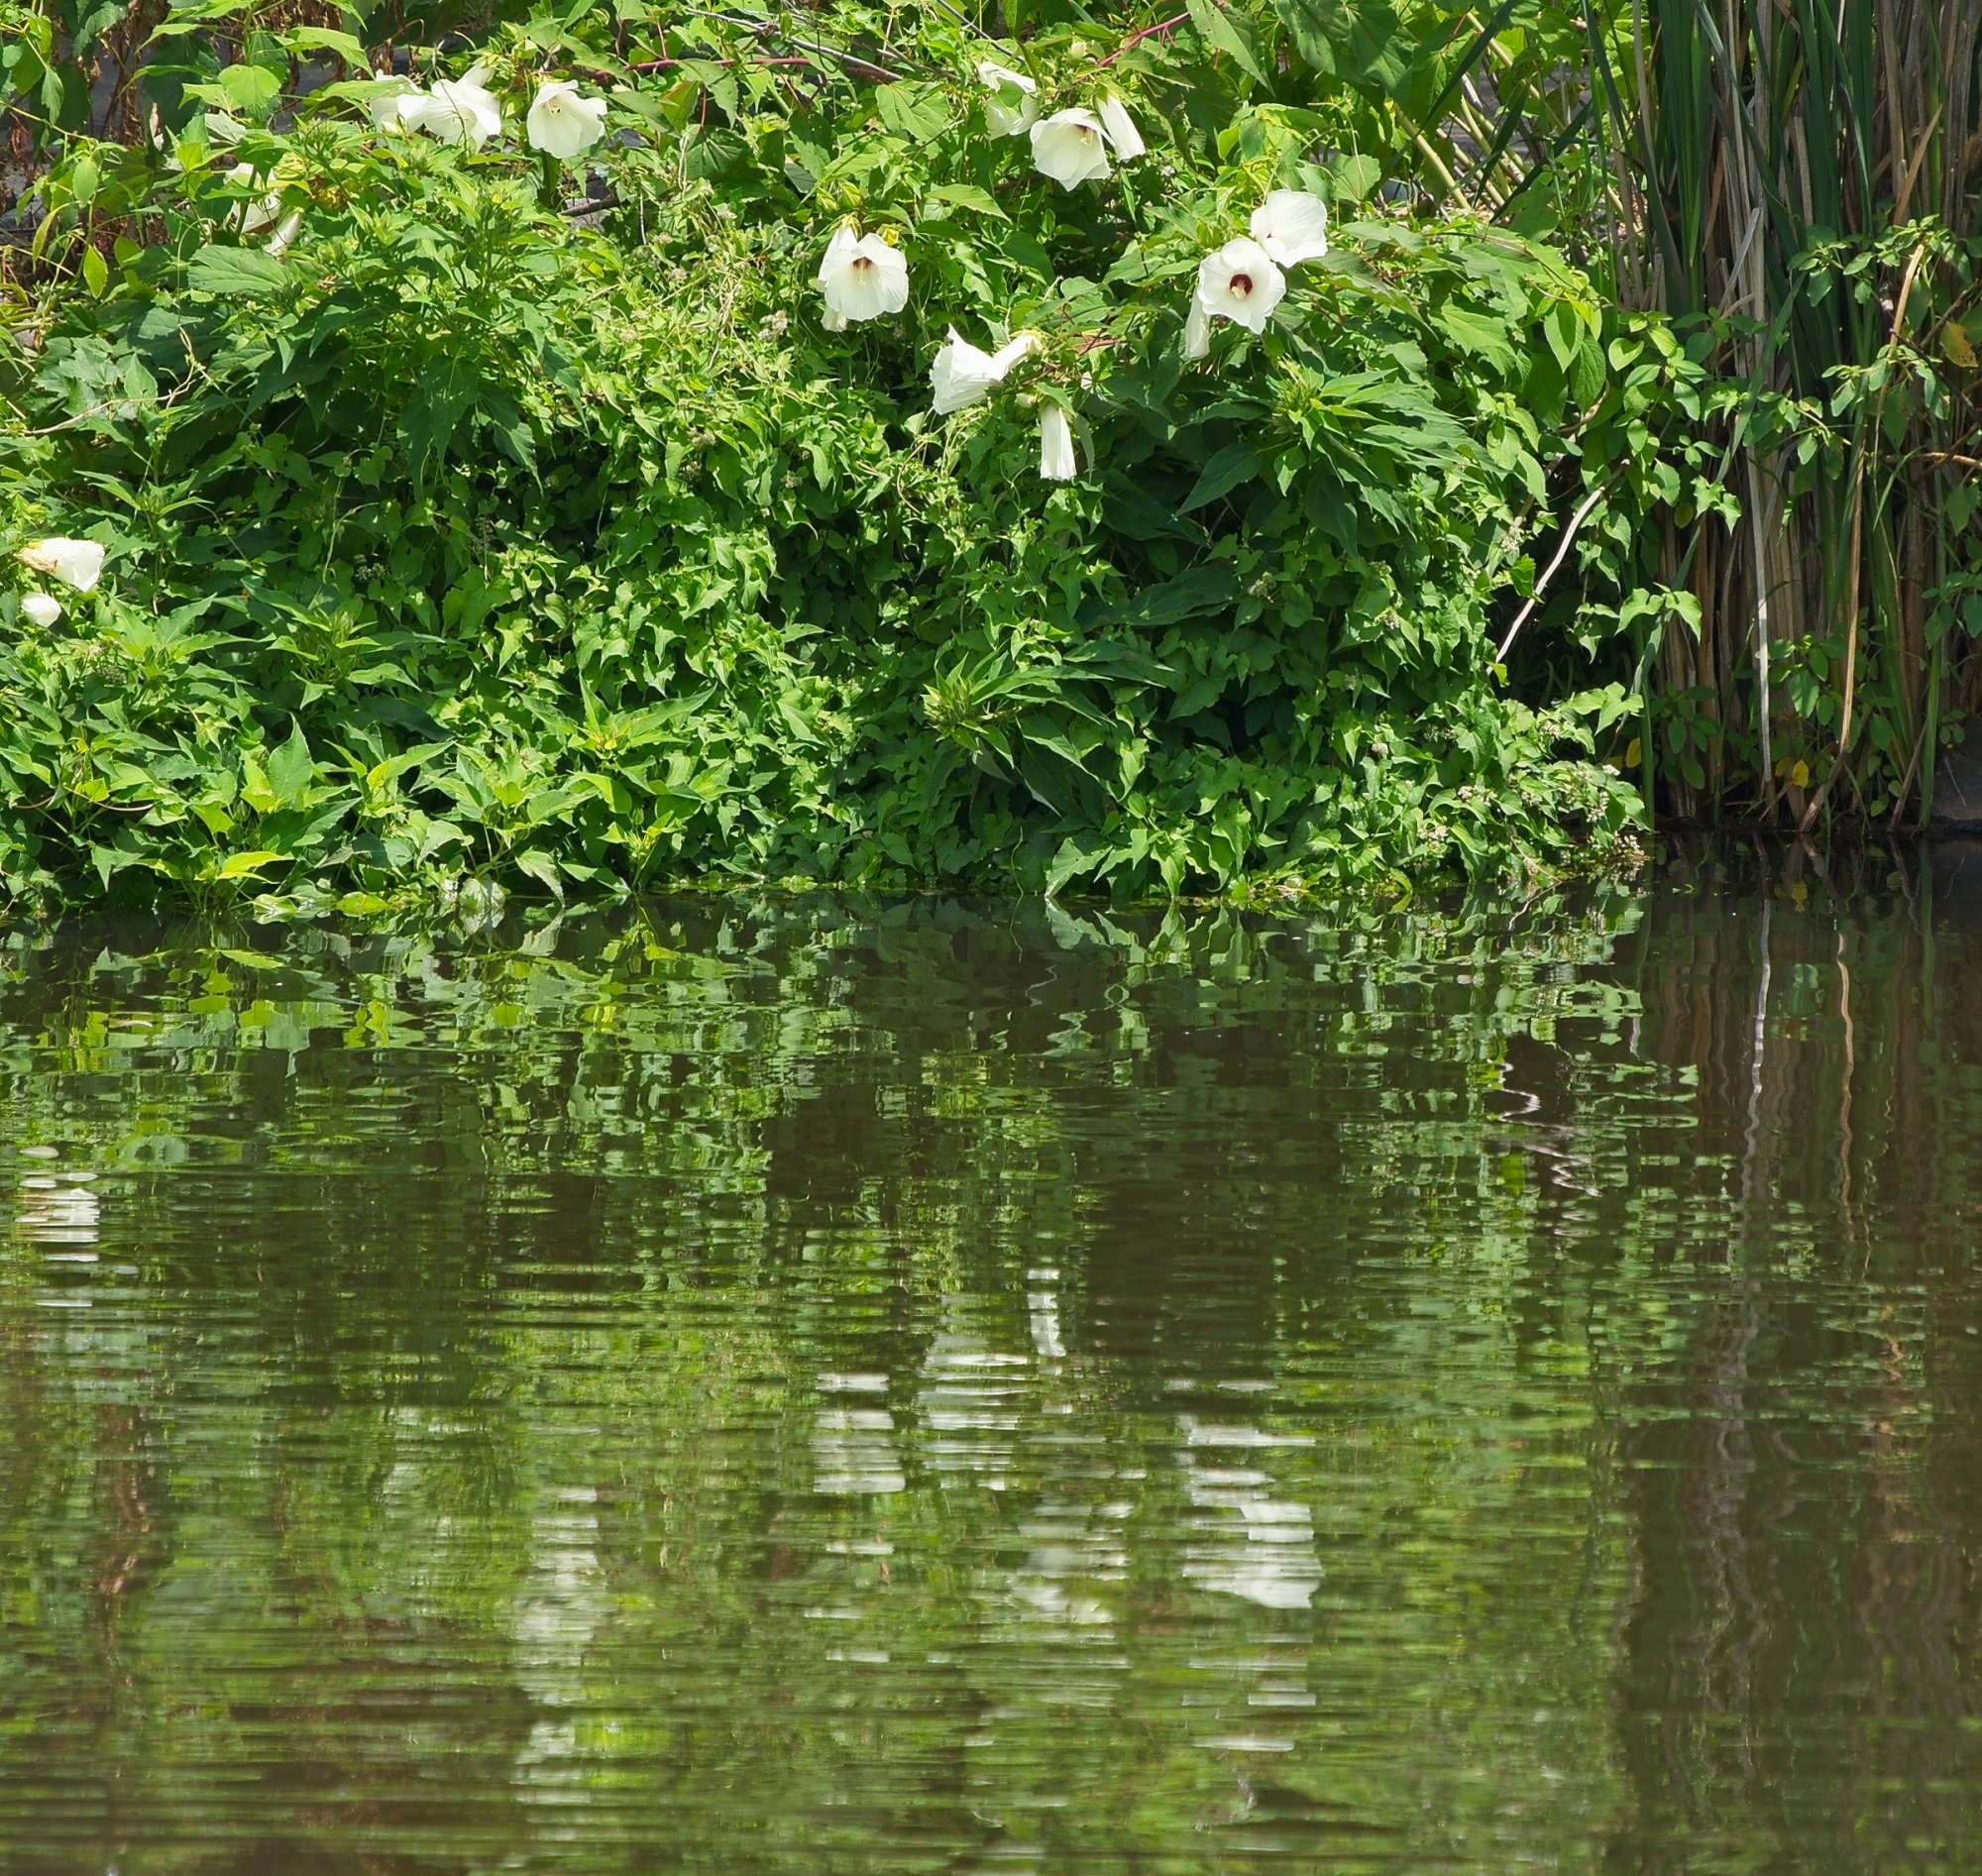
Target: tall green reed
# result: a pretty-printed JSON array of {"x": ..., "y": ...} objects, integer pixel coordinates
[{"x": 1809, "y": 177}]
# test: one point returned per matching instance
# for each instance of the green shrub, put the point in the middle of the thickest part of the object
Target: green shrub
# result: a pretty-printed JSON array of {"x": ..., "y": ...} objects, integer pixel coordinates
[{"x": 456, "y": 530}]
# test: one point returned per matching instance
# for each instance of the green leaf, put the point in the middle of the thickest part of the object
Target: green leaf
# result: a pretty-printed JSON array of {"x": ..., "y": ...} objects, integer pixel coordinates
[
  {"x": 291, "y": 767},
  {"x": 242, "y": 865},
  {"x": 1476, "y": 333},
  {"x": 1209, "y": 587},
  {"x": 542, "y": 868},
  {"x": 427, "y": 422},
  {"x": 236, "y": 272},
  {"x": 254, "y": 89},
  {"x": 967, "y": 195},
  {"x": 917, "y": 112},
  {"x": 1234, "y": 464},
  {"x": 1565, "y": 333},
  {"x": 1229, "y": 33},
  {"x": 1358, "y": 40},
  {"x": 1356, "y": 177},
  {"x": 307, "y": 39}
]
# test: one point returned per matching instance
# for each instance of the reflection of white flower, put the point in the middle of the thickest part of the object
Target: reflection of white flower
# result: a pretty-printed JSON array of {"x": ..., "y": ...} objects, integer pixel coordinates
[
  {"x": 457, "y": 111},
  {"x": 962, "y": 375},
  {"x": 40, "y": 608},
  {"x": 1196, "y": 330},
  {"x": 58, "y": 1208},
  {"x": 1240, "y": 282},
  {"x": 863, "y": 277},
  {"x": 562, "y": 122},
  {"x": 1057, "y": 458},
  {"x": 75, "y": 564},
  {"x": 1120, "y": 128},
  {"x": 1012, "y": 108},
  {"x": 1070, "y": 148},
  {"x": 1292, "y": 226}
]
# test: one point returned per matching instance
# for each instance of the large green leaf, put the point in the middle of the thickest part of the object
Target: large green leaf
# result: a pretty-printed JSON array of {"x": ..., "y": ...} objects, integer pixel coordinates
[
  {"x": 1357, "y": 41},
  {"x": 1209, "y": 587},
  {"x": 1234, "y": 464},
  {"x": 236, "y": 272}
]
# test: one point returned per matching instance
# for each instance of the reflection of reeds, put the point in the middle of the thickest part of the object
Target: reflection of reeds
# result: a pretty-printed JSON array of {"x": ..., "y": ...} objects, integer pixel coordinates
[{"x": 1799, "y": 1481}]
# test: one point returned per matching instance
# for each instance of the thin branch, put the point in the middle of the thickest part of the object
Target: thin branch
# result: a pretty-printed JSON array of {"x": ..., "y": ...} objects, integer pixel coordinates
[
  {"x": 1554, "y": 567},
  {"x": 1136, "y": 38}
]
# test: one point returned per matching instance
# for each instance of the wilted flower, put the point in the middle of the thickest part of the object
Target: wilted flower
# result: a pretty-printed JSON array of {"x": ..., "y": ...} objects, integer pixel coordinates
[
  {"x": 1070, "y": 147},
  {"x": 1240, "y": 282},
  {"x": 1119, "y": 127},
  {"x": 562, "y": 122},
  {"x": 1012, "y": 108},
  {"x": 74, "y": 563},
  {"x": 962, "y": 375},
  {"x": 261, "y": 213},
  {"x": 1292, "y": 226},
  {"x": 1057, "y": 458},
  {"x": 1196, "y": 330},
  {"x": 863, "y": 277},
  {"x": 40, "y": 608},
  {"x": 457, "y": 111}
]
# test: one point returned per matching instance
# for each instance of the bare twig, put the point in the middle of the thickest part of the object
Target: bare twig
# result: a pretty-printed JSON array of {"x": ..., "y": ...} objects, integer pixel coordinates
[{"x": 1554, "y": 567}]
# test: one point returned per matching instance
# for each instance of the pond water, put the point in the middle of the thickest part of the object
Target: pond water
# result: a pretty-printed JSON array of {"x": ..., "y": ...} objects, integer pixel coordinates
[{"x": 808, "y": 1385}]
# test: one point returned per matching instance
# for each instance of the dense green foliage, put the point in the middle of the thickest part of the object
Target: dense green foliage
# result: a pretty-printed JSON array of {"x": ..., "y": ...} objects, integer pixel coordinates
[{"x": 482, "y": 535}]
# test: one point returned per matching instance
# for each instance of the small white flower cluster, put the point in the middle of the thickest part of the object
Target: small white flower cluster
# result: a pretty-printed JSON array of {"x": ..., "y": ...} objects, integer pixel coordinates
[
  {"x": 78, "y": 564},
  {"x": 1071, "y": 146},
  {"x": 1243, "y": 280},
  {"x": 864, "y": 276},
  {"x": 562, "y": 122},
  {"x": 965, "y": 375}
]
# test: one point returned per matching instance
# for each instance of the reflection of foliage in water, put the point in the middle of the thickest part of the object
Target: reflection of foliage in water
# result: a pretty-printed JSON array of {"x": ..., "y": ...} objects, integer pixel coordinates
[{"x": 873, "y": 1384}]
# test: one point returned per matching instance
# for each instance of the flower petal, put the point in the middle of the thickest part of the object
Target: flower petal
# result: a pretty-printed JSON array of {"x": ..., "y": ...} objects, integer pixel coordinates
[
  {"x": 562, "y": 122},
  {"x": 862, "y": 277},
  {"x": 1292, "y": 226},
  {"x": 76, "y": 564},
  {"x": 1070, "y": 148},
  {"x": 1241, "y": 283},
  {"x": 1009, "y": 355},
  {"x": 1057, "y": 462},
  {"x": 1120, "y": 128},
  {"x": 962, "y": 374},
  {"x": 1196, "y": 330},
  {"x": 1012, "y": 108}
]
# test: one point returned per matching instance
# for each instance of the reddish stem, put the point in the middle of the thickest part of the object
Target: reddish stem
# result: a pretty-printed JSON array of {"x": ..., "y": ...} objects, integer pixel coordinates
[{"x": 1136, "y": 38}]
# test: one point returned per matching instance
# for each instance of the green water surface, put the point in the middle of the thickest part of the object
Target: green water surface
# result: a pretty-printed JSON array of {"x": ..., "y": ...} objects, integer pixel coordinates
[{"x": 815, "y": 1386}]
